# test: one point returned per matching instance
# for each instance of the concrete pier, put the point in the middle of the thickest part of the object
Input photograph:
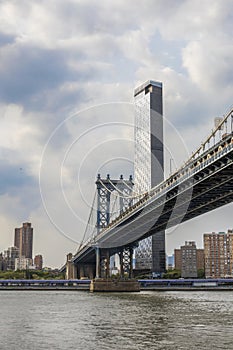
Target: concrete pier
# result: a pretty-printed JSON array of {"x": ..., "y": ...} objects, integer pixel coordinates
[{"x": 109, "y": 285}]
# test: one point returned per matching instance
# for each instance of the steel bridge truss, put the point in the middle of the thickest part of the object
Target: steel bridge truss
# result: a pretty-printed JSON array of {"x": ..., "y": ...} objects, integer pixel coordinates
[
  {"x": 105, "y": 189},
  {"x": 126, "y": 261}
]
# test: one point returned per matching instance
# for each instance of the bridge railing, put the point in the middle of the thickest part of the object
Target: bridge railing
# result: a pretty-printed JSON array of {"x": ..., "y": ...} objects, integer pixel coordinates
[{"x": 223, "y": 127}]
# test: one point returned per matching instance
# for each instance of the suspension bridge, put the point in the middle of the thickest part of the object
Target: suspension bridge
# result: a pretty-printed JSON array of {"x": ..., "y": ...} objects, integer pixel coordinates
[{"x": 203, "y": 183}]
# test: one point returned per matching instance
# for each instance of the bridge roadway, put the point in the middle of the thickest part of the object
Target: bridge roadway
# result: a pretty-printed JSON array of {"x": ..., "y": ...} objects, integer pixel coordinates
[{"x": 201, "y": 185}]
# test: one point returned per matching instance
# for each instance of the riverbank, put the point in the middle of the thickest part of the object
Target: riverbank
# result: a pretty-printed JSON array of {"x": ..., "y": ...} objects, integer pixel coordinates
[{"x": 145, "y": 285}]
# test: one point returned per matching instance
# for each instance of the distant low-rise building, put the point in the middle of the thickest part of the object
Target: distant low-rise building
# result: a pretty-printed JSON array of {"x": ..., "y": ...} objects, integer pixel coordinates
[{"x": 189, "y": 259}]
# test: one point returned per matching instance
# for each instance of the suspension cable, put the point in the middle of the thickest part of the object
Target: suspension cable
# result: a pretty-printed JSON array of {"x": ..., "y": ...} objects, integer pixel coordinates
[
  {"x": 88, "y": 222},
  {"x": 113, "y": 207},
  {"x": 115, "y": 187}
]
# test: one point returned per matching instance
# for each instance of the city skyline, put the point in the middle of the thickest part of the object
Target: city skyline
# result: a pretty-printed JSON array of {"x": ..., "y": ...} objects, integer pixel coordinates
[{"x": 51, "y": 69}]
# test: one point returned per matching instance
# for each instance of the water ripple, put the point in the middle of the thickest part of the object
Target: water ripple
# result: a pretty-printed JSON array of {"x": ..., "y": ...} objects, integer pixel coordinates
[{"x": 146, "y": 320}]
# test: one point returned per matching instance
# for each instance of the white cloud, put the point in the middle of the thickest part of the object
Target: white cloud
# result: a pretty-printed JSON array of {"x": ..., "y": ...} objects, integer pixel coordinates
[{"x": 208, "y": 64}]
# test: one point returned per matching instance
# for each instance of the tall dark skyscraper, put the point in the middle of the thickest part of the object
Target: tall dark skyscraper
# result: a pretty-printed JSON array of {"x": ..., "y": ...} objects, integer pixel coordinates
[
  {"x": 149, "y": 164},
  {"x": 24, "y": 240}
]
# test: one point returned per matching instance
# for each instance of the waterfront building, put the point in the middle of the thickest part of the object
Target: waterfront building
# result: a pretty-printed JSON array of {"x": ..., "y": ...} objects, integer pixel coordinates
[
  {"x": 9, "y": 257},
  {"x": 149, "y": 165},
  {"x": 218, "y": 254},
  {"x": 189, "y": 259},
  {"x": 38, "y": 262},
  {"x": 24, "y": 240}
]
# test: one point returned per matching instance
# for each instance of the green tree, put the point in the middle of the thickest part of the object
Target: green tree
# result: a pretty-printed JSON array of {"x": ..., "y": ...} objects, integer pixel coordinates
[
  {"x": 201, "y": 273},
  {"x": 172, "y": 274}
]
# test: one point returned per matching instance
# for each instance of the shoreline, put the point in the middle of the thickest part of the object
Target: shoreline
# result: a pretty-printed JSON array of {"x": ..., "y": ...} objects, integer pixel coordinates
[
  {"x": 87, "y": 288},
  {"x": 160, "y": 285}
]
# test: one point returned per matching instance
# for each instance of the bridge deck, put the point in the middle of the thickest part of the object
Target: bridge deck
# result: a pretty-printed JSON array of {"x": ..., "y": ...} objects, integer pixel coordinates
[{"x": 201, "y": 185}]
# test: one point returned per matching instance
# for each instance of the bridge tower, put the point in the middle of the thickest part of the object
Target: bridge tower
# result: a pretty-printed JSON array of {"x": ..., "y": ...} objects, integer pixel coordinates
[
  {"x": 105, "y": 212},
  {"x": 149, "y": 165},
  {"x": 105, "y": 188}
]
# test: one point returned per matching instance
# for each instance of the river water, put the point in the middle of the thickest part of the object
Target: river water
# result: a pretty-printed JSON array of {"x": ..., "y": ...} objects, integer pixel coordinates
[{"x": 146, "y": 320}]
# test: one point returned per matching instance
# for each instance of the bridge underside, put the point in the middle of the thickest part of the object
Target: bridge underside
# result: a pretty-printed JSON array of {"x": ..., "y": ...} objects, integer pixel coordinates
[{"x": 207, "y": 195}]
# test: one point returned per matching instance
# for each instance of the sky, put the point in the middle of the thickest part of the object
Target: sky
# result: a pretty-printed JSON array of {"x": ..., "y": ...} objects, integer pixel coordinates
[{"x": 68, "y": 70}]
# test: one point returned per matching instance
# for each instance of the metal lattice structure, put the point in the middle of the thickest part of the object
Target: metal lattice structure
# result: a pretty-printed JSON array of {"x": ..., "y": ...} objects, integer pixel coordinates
[
  {"x": 126, "y": 259},
  {"x": 105, "y": 189}
]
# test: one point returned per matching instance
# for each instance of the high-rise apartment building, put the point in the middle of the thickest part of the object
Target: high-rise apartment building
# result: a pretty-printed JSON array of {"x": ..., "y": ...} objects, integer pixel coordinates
[
  {"x": 149, "y": 165},
  {"x": 189, "y": 259},
  {"x": 218, "y": 254},
  {"x": 24, "y": 240},
  {"x": 38, "y": 262}
]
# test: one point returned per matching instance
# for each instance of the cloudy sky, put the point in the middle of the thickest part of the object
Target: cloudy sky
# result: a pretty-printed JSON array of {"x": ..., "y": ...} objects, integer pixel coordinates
[{"x": 67, "y": 72}]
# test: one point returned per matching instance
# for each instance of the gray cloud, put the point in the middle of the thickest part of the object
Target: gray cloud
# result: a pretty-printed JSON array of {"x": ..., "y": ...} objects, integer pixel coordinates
[
  {"x": 27, "y": 72},
  {"x": 6, "y": 39},
  {"x": 14, "y": 177}
]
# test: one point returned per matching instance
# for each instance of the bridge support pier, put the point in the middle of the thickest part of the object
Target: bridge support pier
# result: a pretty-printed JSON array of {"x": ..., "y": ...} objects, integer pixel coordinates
[
  {"x": 71, "y": 269},
  {"x": 126, "y": 262},
  {"x": 103, "y": 283},
  {"x": 81, "y": 271},
  {"x": 108, "y": 285},
  {"x": 90, "y": 271},
  {"x": 85, "y": 271},
  {"x": 97, "y": 254},
  {"x": 107, "y": 264},
  {"x": 102, "y": 263}
]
